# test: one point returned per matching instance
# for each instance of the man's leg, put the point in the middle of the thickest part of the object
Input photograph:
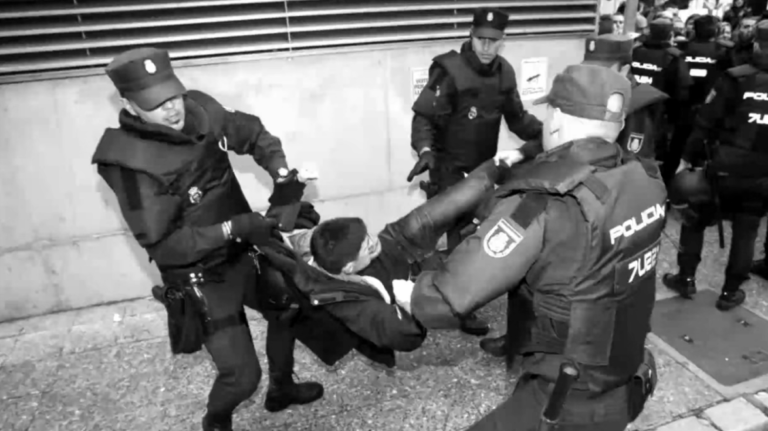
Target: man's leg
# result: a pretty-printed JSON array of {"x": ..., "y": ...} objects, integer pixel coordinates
[
  {"x": 744, "y": 234},
  {"x": 689, "y": 255},
  {"x": 760, "y": 266}
]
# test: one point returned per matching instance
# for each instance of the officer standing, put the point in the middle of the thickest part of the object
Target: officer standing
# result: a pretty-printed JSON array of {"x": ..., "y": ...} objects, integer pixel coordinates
[
  {"x": 637, "y": 138},
  {"x": 168, "y": 165},
  {"x": 663, "y": 66},
  {"x": 559, "y": 234},
  {"x": 707, "y": 58},
  {"x": 733, "y": 126}
]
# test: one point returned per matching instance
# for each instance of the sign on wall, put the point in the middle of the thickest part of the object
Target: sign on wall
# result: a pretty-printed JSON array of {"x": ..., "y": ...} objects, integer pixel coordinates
[
  {"x": 533, "y": 78},
  {"x": 419, "y": 78}
]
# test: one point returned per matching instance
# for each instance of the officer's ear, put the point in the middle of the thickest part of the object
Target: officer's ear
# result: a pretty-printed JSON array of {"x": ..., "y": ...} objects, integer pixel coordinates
[
  {"x": 348, "y": 268},
  {"x": 128, "y": 106}
]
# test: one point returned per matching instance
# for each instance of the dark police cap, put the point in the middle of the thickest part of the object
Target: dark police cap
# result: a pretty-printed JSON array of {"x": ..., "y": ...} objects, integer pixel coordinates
[
  {"x": 761, "y": 33},
  {"x": 661, "y": 29},
  {"x": 145, "y": 76},
  {"x": 608, "y": 48},
  {"x": 588, "y": 91},
  {"x": 489, "y": 23}
]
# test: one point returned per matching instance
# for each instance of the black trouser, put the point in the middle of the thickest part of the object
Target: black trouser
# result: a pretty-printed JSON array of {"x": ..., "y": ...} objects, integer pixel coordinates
[
  {"x": 742, "y": 201},
  {"x": 232, "y": 348},
  {"x": 583, "y": 411},
  {"x": 445, "y": 175}
]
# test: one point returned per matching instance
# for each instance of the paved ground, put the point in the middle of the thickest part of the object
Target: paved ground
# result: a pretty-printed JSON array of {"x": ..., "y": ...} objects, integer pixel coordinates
[{"x": 109, "y": 368}]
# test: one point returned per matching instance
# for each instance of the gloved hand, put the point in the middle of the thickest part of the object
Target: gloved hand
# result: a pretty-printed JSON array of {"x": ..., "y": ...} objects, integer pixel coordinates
[
  {"x": 288, "y": 190},
  {"x": 255, "y": 229},
  {"x": 426, "y": 161},
  {"x": 308, "y": 217},
  {"x": 508, "y": 157},
  {"x": 403, "y": 289}
]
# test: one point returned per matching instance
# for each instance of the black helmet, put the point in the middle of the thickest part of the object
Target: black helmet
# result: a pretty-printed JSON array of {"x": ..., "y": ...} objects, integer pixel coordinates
[{"x": 689, "y": 186}]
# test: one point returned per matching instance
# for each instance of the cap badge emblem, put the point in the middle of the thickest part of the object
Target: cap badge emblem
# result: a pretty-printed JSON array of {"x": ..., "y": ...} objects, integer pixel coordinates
[
  {"x": 472, "y": 113},
  {"x": 490, "y": 16},
  {"x": 591, "y": 45},
  {"x": 150, "y": 67},
  {"x": 195, "y": 195}
]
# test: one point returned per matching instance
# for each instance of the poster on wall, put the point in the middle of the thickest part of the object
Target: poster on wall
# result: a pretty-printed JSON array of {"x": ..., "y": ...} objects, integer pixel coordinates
[
  {"x": 419, "y": 77},
  {"x": 533, "y": 78}
]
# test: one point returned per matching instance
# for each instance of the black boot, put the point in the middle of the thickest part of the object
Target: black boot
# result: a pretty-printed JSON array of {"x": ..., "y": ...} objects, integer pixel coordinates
[
  {"x": 683, "y": 285},
  {"x": 496, "y": 347},
  {"x": 730, "y": 300},
  {"x": 760, "y": 269},
  {"x": 213, "y": 423},
  {"x": 283, "y": 392},
  {"x": 473, "y": 325}
]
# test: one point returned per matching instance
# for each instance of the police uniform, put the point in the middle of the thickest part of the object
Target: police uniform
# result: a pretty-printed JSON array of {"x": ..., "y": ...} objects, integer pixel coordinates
[
  {"x": 459, "y": 112},
  {"x": 663, "y": 66},
  {"x": 179, "y": 196},
  {"x": 734, "y": 124},
  {"x": 577, "y": 233}
]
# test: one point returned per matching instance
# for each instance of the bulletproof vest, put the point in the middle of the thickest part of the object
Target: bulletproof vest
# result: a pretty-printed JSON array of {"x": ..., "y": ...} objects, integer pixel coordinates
[
  {"x": 644, "y": 123},
  {"x": 472, "y": 132},
  {"x": 599, "y": 295},
  {"x": 198, "y": 171},
  {"x": 702, "y": 59},
  {"x": 649, "y": 64},
  {"x": 746, "y": 126}
]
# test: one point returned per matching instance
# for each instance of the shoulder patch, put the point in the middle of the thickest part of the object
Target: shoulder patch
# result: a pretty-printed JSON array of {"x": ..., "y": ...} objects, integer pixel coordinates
[
  {"x": 635, "y": 142},
  {"x": 501, "y": 239}
]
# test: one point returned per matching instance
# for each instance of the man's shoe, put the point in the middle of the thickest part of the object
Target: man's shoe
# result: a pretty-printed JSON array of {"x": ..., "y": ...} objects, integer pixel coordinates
[
  {"x": 473, "y": 325},
  {"x": 496, "y": 347},
  {"x": 730, "y": 300},
  {"x": 217, "y": 424},
  {"x": 760, "y": 269},
  {"x": 283, "y": 393},
  {"x": 684, "y": 286}
]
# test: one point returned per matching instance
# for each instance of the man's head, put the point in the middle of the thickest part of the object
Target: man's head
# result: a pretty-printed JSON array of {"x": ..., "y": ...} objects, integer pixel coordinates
[
  {"x": 618, "y": 23},
  {"x": 745, "y": 32},
  {"x": 586, "y": 101},
  {"x": 605, "y": 24},
  {"x": 487, "y": 33},
  {"x": 343, "y": 245},
  {"x": 724, "y": 31},
  {"x": 609, "y": 50},
  {"x": 761, "y": 37},
  {"x": 660, "y": 30},
  {"x": 669, "y": 10},
  {"x": 148, "y": 87},
  {"x": 705, "y": 27}
]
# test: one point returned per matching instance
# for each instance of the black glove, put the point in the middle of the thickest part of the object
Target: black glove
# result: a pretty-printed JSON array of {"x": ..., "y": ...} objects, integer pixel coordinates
[
  {"x": 285, "y": 216},
  {"x": 426, "y": 161},
  {"x": 288, "y": 190},
  {"x": 255, "y": 229},
  {"x": 308, "y": 217}
]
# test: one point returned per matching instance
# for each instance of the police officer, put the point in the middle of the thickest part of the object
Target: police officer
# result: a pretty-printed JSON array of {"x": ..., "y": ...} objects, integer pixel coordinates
[
  {"x": 168, "y": 165},
  {"x": 707, "y": 58},
  {"x": 663, "y": 66},
  {"x": 577, "y": 233},
  {"x": 637, "y": 139},
  {"x": 733, "y": 125}
]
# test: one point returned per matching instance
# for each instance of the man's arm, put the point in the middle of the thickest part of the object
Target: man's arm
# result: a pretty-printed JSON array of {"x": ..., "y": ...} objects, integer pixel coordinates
[
  {"x": 432, "y": 108},
  {"x": 483, "y": 267},
  {"x": 519, "y": 121},
  {"x": 718, "y": 104},
  {"x": 151, "y": 216}
]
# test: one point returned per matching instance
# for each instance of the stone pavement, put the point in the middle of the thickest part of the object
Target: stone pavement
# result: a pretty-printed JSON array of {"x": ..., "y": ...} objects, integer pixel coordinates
[{"x": 109, "y": 368}]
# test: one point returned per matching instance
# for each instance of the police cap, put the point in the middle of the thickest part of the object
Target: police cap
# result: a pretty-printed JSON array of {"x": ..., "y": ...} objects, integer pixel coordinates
[
  {"x": 608, "y": 48},
  {"x": 689, "y": 186},
  {"x": 489, "y": 23},
  {"x": 145, "y": 76},
  {"x": 660, "y": 29},
  {"x": 761, "y": 32},
  {"x": 586, "y": 91}
]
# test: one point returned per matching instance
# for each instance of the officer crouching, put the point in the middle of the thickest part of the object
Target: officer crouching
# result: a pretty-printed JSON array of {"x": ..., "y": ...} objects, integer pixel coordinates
[
  {"x": 168, "y": 165},
  {"x": 729, "y": 144}
]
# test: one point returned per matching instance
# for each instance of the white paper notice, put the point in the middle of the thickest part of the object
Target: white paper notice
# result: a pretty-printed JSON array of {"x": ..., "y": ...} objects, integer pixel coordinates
[
  {"x": 419, "y": 78},
  {"x": 533, "y": 78}
]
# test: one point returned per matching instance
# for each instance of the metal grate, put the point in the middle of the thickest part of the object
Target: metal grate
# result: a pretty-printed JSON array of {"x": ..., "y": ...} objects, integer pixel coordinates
[{"x": 41, "y": 37}]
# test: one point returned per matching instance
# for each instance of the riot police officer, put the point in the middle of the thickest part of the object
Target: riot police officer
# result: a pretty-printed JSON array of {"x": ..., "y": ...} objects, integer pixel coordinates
[
  {"x": 557, "y": 234},
  {"x": 728, "y": 141},
  {"x": 661, "y": 65},
  {"x": 167, "y": 164}
]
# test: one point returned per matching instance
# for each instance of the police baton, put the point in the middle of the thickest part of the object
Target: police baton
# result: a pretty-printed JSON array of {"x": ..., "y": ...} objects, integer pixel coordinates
[{"x": 565, "y": 380}]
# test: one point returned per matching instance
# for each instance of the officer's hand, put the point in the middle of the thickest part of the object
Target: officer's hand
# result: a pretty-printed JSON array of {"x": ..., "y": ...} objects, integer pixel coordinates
[
  {"x": 509, "y": 157},
  {"x": 288, "y": 190},
  {"x": 255, "y": 229},
  {"x": 426, "y": 161}
]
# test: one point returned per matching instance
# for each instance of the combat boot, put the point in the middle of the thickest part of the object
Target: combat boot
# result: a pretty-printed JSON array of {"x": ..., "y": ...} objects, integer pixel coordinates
[
  {"x": 283, "y": 392},
  {"x": 473, "y": 325},
  {"x": 212, "y": 423},
  {"x": 730, "y": 300},
  {"x": 496, "y": 347},
  {"x": 684, "y": 286},
  {"x": 760, "y": 269}
]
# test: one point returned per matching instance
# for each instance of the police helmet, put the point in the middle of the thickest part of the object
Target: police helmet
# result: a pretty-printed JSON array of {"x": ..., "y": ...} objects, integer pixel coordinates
[{"x": 689, "y": 186}]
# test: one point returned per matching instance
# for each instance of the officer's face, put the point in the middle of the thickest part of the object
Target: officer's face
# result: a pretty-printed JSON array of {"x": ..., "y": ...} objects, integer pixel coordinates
[
  {"x": 171, "y": 113},
  {"x": 485, "y": 48},
  {"x": 370, "y": 249}
]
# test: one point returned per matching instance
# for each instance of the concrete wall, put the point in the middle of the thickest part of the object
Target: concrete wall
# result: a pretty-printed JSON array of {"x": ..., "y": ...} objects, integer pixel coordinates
[{"x": 63, "y": 242}]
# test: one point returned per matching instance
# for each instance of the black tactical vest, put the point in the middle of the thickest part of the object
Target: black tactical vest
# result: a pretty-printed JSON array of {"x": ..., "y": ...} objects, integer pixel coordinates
[
  {"x": 472, "y": 133},
  {"x": 746, "y": 127},
  {"x": 649, "y": 64},
  {"x": 703, "y": 60},
  {"x": 643, "y": 123},
  {"x": 197, "y": 170}
]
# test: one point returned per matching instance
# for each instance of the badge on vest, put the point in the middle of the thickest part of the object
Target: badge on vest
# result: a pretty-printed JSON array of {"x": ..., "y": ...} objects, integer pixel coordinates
[
  {"x": 501, "y": 240},
  {"x": 635, "y": 142},
  {"x": 195, "y": 195},
  {"x": 472, "y": 113}
]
